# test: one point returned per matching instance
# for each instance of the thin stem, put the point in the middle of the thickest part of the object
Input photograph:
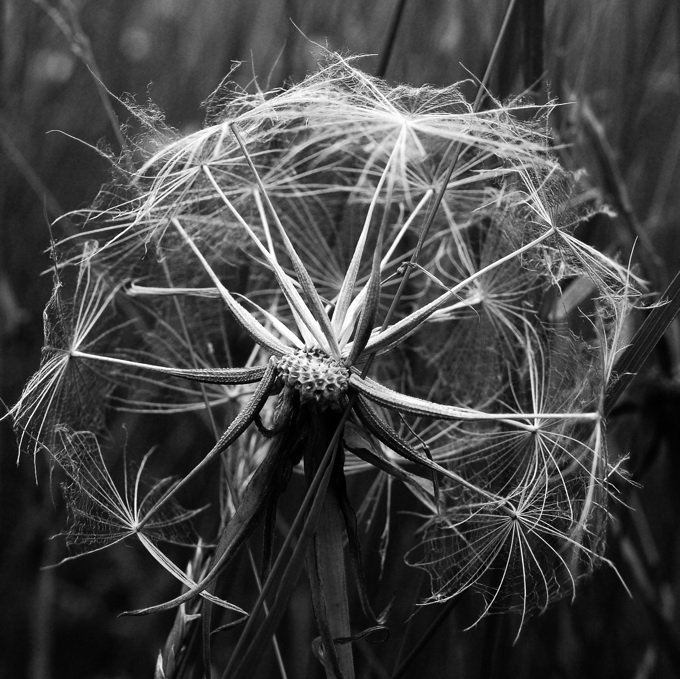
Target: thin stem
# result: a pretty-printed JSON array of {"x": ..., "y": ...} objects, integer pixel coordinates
[
  {"x": 643, "y": 343},
  {"x": 388, "y": 50},
  {"x": 481, "y": 91},
  {"x": 326, "y": 568},
  {"x": 81, "y": 47},
  {"x": 265, "y": 608},
  {"x": 306, "y": 522},
  {"x": 425, "y": 638}
]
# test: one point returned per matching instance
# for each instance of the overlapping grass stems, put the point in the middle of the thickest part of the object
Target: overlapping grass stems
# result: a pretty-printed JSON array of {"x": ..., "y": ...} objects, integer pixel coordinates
[{"x": 313, "y": 245}]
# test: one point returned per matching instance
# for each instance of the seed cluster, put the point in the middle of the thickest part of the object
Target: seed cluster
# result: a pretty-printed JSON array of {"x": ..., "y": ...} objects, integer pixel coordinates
[{"x": 316, "y": 375}]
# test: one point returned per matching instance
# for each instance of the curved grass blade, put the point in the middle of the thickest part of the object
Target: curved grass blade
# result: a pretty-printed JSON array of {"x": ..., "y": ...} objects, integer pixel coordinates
[
  {"x": 247, "y": 655},
  {"x": 643, "y": 343},
  {"x": 325, "y": 565},
  {"x": 391, "y": 39},
  {"x": 354, "y": 548},
  {"x": 180, "y": 575}
]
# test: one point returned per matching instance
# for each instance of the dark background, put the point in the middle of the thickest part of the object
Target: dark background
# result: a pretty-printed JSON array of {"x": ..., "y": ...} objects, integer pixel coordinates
[{"x": 618, "y": 59}]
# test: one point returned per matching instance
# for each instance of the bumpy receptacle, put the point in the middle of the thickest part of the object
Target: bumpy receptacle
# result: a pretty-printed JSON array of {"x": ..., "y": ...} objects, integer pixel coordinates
[{"x": 316, "y": 375}]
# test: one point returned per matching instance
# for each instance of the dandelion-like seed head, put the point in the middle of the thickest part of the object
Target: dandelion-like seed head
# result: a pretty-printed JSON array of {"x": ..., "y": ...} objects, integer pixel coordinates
[{"x": 339, "y": 223}]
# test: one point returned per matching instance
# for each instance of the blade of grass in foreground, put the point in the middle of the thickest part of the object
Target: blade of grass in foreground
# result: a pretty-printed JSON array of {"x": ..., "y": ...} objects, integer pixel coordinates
[
  {"x": 616, "y": 190},
  {"x": 422, "y": 641},
  {"x": 325, "y": 565},
  {"x": 390, "y": 41},
  {"x": 533, "y": 20},
  {"x": 246, "y": 655},
  {"x": 642, "y": 345}
]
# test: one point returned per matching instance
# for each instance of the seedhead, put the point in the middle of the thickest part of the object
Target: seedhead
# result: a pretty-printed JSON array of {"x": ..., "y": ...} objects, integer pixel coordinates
[{"x": 397, "y": 258}]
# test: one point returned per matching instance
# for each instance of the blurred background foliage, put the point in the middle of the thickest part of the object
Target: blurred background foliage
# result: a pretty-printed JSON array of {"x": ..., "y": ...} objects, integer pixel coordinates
[{"x": 616, "y": 61}]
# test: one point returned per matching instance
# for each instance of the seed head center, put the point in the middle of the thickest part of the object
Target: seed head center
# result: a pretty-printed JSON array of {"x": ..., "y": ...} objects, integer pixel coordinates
[{"x": 315, "y": 375}]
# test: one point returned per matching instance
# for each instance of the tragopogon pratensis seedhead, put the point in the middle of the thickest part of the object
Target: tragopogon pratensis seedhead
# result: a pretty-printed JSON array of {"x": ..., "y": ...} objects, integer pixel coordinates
[{"x": 342, "y": 277}]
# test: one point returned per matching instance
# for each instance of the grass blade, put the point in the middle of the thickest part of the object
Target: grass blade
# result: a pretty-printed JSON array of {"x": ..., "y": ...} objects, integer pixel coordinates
[
  {"x": 616, "y": 190},
  {"x": 643, "y": 343},
  {"x": 327, "y": 574},
  {"x": 388, "y": 49},
  {"x": 481, "y": 92},
  {"x": 245, "y": 659},
  {"x": 533, "y": 12},
  {"x": 418, "y": 646}
]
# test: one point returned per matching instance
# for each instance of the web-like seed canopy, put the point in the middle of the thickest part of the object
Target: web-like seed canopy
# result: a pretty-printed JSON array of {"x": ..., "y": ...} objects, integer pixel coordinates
[{"x": 198, "y": 267}]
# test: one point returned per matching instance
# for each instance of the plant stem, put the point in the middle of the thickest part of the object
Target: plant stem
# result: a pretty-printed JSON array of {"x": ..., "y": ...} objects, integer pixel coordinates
[
  {"x": 325, "y": 558},
  {"x": 646, "y": 338},
  {"x": 326, "y": 569},
  {"x": 481, "y": 91},
  {"x": 247, "y": 654},
  {"x": 388, "y": 49}
]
